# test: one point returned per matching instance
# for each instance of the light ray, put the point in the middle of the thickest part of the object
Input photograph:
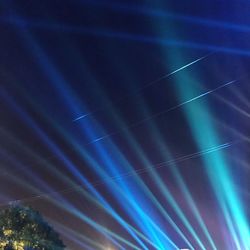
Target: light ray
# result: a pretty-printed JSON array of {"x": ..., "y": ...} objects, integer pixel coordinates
[{"x": 148, "y": 85}]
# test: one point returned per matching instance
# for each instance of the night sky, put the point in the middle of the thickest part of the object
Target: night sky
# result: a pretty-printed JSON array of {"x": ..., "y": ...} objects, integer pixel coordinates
[{"x": 126, "y": 123}]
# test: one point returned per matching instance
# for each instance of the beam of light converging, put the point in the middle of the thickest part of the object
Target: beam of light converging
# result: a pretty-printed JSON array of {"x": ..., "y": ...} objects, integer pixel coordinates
[
  {"x": 192, "y": 99},
  {"x": 199, "y": 119},
  {"x": 136, "y": 147},
  {"x": 137, "y": 192},
  {"x": 222, "y": 145},
  {"x": 40, "y": 196},
  {"x": 52, "y": 193},
  {"x": 178, "y": 177},
  {"x": 145, "y": 223},
  {"x": 146, "y": 86},
  {"x": 163, "y": 188},
  {"x": 25, "y": 24},
  {"x": 73, "y": 169},
  {"x": 170, "y": 199},
  {"x": 140, "y": 211},
  {"x": 213, "y": 149},
  {"x": 125, "y": 188},
  {"x": 210, "y": 150},
  {"x": 58, "y": 201},
  {"x": 79, "y": 175},
  {"x": 90, "y": 188},
  {"x": 65, "y": 133},
  {"x": 151, "y": 221}
]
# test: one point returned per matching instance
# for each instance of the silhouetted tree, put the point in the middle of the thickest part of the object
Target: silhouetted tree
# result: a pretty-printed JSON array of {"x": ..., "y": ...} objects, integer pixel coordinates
[{"x": 22, "y": 228}]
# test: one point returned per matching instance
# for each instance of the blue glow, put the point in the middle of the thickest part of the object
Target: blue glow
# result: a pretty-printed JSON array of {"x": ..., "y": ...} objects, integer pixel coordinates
[
  {"x": 221, "y": 181},
  {"x": 24, "y": 23}
]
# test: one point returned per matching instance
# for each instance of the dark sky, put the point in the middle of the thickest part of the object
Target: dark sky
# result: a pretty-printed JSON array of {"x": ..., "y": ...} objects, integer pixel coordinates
[{"x": 126, "y": 123}]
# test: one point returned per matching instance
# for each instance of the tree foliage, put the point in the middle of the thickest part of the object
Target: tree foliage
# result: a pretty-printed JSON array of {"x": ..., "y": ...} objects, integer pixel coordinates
[{"x": 24, "y": 228}]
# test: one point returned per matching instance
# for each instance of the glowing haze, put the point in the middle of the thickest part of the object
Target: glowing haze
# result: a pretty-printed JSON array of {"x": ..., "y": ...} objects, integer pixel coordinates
[{"x": 126, "y": 123}]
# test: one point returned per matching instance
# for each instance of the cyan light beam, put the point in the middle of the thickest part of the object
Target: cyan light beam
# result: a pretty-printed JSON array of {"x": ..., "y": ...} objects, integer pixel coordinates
[
  {"x": 171, "y": 164},
  {"x": 222, "y": 181}
]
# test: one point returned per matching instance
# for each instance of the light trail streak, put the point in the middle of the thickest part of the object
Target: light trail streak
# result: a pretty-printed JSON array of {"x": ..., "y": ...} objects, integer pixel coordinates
[
  {"x": 170, "y": 162},
  {"x": 140, "y": 153},
  {"x": 80, "y": 117},
  {"x": 116, "y": 218},
  {"x": 159, "y": 206},
  {"x": 192, "y": 99},
  {"x": 223, "y": 145},
  {"x": 97, "y": 140},
  {"x": 133, "y": 125},
  {"x": 147, "y": 85},
  {"x": 172, "y": 165},
  {"x": 209, "y": 92}
]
